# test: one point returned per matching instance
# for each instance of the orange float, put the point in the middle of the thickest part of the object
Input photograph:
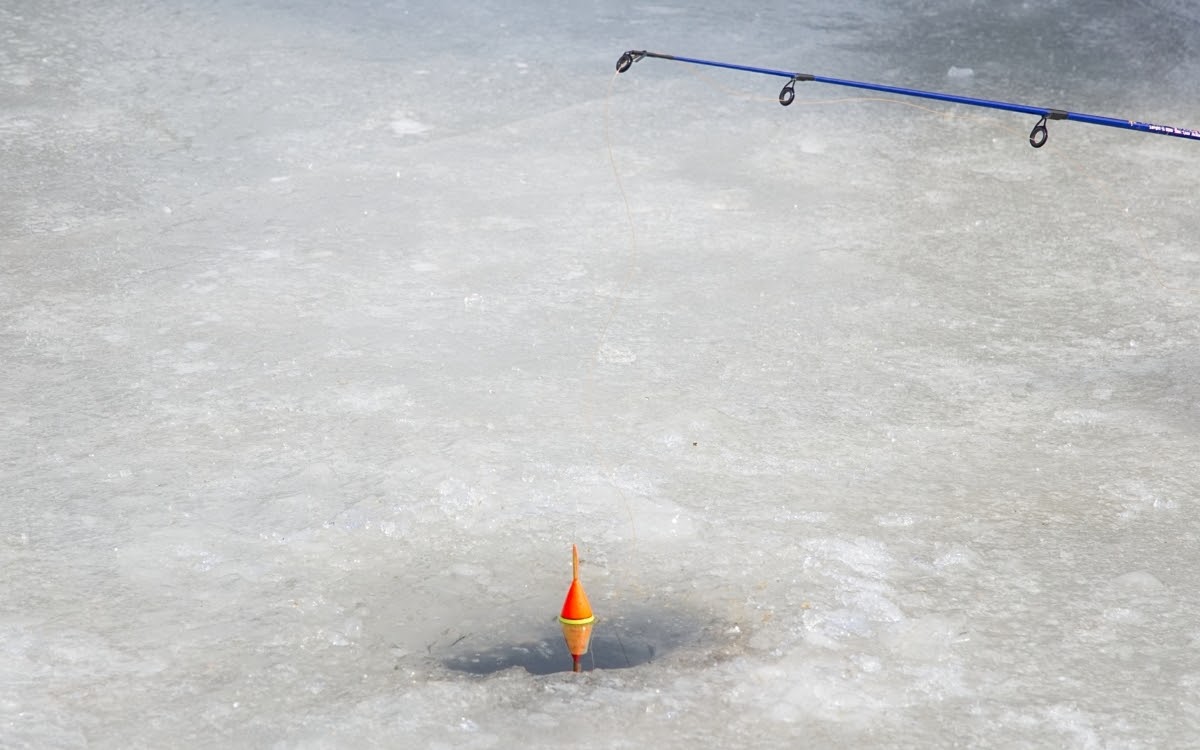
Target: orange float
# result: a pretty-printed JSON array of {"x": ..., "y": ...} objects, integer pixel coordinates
[{"x": 576, "y": 616}]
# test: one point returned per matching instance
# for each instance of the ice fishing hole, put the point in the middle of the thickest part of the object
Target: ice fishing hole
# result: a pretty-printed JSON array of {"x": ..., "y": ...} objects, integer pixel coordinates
[
  {"x": 550, "y": 655},
  {"x": 617, "y": 643}
]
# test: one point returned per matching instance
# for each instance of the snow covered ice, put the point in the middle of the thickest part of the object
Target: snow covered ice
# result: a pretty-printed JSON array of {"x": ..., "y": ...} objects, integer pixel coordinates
[{"x": 325, "y": 335}]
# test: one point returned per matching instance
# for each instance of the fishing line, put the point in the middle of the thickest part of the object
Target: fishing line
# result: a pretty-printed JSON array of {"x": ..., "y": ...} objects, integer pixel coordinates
[
  {"x": 1037, "y": 137},
  {"x": 603, "y": 342}
]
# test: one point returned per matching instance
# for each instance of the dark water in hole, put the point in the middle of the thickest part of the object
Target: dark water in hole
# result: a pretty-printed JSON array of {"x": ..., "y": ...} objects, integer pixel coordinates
[
  {"x": 620, "y": 642},
  {"x": 551, "y": 655}
]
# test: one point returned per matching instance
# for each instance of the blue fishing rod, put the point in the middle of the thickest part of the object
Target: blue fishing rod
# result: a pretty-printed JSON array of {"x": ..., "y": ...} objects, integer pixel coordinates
[{"x": 1037, "y": 137}]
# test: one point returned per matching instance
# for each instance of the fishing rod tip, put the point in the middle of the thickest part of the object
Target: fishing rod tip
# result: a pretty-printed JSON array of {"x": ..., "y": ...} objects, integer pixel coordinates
[{"x": 627, "y": 59}]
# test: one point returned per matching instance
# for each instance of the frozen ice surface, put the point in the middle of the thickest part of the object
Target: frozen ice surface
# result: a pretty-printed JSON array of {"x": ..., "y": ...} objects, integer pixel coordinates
[{"x": 324, "y": 337}]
